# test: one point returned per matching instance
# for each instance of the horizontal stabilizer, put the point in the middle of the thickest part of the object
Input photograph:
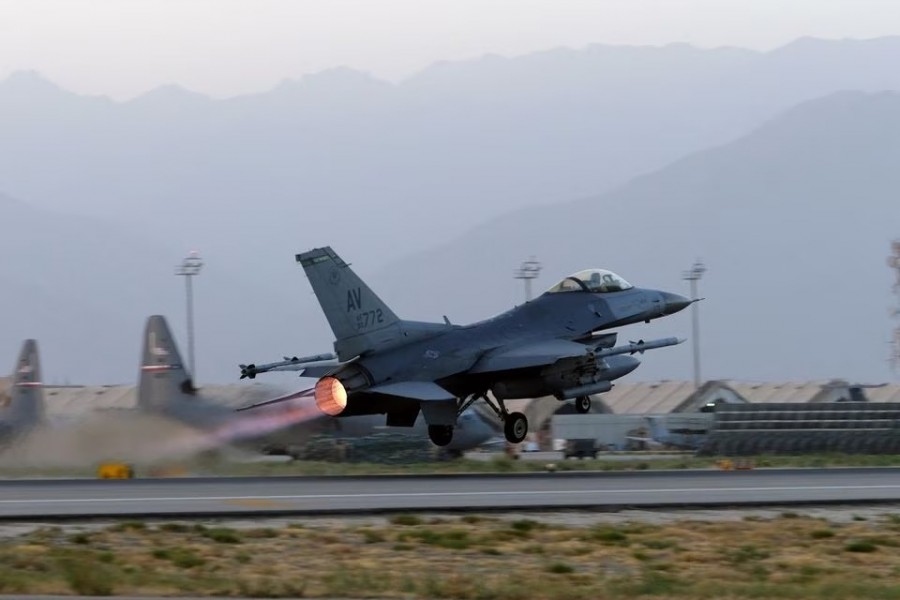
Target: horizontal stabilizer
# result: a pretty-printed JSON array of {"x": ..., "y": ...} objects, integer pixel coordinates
[{"x": 424, "y": 391}]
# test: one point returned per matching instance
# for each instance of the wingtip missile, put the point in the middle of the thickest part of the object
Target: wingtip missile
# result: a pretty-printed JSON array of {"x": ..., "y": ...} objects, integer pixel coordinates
[
  {"x": 250, "y": 371},
  {"x": 640, "y": 346}
]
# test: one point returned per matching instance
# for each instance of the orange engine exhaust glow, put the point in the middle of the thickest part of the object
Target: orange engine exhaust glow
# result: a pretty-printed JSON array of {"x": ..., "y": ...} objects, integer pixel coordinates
[{"x": 331, "y": 397}]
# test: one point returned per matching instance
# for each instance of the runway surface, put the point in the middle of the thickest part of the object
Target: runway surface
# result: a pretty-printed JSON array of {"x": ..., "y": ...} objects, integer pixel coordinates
[{"x": 20, "y": 499}]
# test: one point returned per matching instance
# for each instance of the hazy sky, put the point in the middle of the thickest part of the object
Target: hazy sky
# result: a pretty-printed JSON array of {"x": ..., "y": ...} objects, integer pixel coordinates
[{"x": 226, "y": 47}]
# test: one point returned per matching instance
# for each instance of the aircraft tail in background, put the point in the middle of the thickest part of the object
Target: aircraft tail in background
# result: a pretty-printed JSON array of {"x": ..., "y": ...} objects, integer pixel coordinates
[
  {"x": 164, "y": 380},
  {"x": 26, "y": 395}
]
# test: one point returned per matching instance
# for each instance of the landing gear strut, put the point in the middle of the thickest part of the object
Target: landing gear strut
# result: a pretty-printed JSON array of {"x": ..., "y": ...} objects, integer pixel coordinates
[
  {"x": 583, "y": 404},
  {"x": 515, "y": 424},
  {"x": 440, "y": 435}
]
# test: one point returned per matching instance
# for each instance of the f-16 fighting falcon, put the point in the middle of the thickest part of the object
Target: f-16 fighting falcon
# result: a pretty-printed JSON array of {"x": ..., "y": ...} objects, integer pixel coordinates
[{"x": 548, "y": 346}]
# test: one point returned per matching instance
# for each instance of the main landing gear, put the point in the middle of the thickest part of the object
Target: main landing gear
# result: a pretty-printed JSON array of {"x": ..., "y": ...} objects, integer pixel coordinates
[
  {"x": 583, "y": 404},
  {"x": 515, "y": 424}
]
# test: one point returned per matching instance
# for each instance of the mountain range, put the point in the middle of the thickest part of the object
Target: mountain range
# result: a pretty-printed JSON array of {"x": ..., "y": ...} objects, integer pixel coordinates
[{"x": 637, "y": 159}]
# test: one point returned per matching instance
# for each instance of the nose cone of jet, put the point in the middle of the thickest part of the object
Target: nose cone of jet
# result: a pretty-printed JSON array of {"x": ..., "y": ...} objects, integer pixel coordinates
[{"x": 672, "y": 303}]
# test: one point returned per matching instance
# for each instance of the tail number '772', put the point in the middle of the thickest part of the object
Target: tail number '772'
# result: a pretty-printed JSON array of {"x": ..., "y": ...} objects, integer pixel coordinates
[{"x": 366, "y": 319}]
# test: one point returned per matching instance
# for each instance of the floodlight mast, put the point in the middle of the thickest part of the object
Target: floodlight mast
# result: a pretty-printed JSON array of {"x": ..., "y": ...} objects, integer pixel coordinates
[
  {"x": 893, "y": 262},
  {"x": 189, "y": 268},
  {"x": 528, "y": 271},
  {"x": 693, "y": 275}
]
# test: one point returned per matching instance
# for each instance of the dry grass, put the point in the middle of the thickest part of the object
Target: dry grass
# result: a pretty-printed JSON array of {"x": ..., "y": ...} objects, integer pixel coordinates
[{"x": 467, "y": 558}]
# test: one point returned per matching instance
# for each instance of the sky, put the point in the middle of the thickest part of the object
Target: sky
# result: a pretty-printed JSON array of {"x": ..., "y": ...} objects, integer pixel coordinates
[{"x": 122, "y": 48}]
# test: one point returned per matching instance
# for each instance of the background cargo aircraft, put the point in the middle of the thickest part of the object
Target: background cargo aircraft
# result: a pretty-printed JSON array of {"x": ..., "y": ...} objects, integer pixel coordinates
[
  {"x": 166, "y": 389},
  {"x": 548, "y": 346},
  {"x": 22, "y": 407}
]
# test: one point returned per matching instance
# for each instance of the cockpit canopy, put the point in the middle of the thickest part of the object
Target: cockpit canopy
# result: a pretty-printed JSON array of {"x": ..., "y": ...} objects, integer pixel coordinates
[{"x": 591, "y": 280}]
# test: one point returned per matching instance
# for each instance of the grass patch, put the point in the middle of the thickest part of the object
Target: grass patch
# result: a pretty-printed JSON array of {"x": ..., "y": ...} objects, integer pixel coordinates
[
  {"x": 655, "y": 544},
  {"x": 677, "y": 560},
  {"x": 606, "y": 535},
  {"x": 405, "y": 520},
  {"x": 821, "y": 534},
  {"x": 453, "y": 539},
  {"x": 80, "y": 538},
  {"x": 372, "y": 537},
  {"x": 860, "y": 546},
  {"x": 222, "y": 535},
  {"x": 183, "y": 558},
  {"x": 86, "y": 578},
  {"x": 560, "y": 568},
  {"x": 747, "y": 553}
]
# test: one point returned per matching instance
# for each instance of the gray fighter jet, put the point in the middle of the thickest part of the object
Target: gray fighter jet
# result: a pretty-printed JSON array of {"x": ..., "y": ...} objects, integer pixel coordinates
[
  {"x": 552, "y": 345},
  {"x": 165, "y": 388},
  {"x": 22, "y": 408}
]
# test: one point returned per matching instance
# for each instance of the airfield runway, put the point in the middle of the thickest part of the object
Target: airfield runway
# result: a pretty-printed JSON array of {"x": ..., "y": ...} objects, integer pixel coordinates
[{"x": 195, "y": 497}]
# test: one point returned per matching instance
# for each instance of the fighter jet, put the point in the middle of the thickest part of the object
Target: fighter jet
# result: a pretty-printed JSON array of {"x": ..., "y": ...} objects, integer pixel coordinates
[
  {"x": 22, "y": 409},
  {"x": 166, "y": 388},
  {"x": 552, "y": 345}
]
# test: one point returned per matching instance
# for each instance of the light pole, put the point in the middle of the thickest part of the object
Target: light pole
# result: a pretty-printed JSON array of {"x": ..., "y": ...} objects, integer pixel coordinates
[
  {"x": 529, "y": 270},
  {"x": 693, "y": 275},
  {"x": 894, "y": 263},
  {"x": 188, "y": 268}
]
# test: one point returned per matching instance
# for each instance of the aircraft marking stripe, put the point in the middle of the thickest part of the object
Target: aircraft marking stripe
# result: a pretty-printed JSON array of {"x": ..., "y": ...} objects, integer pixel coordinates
[
  {"x": 158, "y": 367},
  {"x": 444, "y": 494}
]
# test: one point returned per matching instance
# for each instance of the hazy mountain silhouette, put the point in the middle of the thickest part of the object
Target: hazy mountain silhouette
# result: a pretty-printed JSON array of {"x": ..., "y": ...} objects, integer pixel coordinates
[
  {"x": 344, "y": 158},
  {"x": 380, "y": 171},
  {"x": 793, "y": 221}
]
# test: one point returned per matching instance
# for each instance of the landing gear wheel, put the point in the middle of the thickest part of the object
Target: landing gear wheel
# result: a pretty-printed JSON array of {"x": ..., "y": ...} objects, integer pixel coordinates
[
  {"x": 515, "y": 427},
  {"x": 440, "y": 435},
  {"x": 583, "y": 404}
]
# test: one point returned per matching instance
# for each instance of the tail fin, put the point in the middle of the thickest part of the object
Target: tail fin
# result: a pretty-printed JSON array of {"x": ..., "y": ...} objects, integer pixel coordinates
[
  {"x": 163, "y": 376},
  {"x": 26, "y": 396},
  {"x": 361, "y": 322}
]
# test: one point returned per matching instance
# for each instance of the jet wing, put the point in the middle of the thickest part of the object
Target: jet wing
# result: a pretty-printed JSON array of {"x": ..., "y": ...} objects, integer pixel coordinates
[
  {"x": 538, "y": 354},
  {"x": 425, "y": 391}
]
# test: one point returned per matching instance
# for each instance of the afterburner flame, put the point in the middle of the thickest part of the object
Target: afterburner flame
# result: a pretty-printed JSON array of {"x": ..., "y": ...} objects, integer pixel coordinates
[{"x": 331, "y": 397}]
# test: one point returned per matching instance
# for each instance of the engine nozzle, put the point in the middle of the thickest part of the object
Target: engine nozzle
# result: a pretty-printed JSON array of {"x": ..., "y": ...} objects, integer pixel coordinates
[{"x": 331, "y": 396}]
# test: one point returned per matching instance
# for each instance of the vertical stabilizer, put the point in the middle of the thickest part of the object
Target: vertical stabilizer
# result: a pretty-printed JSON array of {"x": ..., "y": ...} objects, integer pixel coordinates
[
  {"x": 164, "y": 379},
  {"x": 361, "y": 322},
  {"x": 26, "y": 396}
]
